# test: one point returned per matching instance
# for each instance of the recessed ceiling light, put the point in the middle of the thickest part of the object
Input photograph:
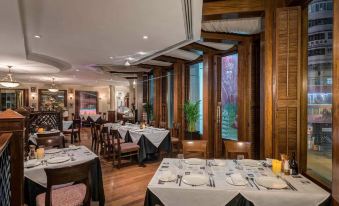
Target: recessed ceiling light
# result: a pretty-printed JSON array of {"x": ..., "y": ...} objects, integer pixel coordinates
[
  {"x": 145, "y": 37},
  {"x": 77, "y": 70},
  {"x": 141, "y": 53},
  {"x": 111, "y": 57},
  {"x": 37, "y": 36},
  {"x": 130, "y": 58},
  {"x": 127, "y": 63}
]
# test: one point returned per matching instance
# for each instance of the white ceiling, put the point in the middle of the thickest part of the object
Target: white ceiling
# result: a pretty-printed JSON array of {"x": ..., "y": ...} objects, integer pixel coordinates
[{"x": 79, "y": 34}]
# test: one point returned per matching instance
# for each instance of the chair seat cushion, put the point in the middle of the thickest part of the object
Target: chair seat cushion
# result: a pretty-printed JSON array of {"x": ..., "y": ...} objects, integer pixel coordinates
[
  {"x": 174, "y": 140},
  {"x": 69, "y": 131},
  {"x": 128, "y": 147},
  {"x": 73, "y": 195}
]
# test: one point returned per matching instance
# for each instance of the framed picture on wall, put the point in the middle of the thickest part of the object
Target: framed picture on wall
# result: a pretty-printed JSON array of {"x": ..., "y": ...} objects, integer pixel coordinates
[
  {"x": 52, "y": 101},
  {"x": 33, "y": 89}
]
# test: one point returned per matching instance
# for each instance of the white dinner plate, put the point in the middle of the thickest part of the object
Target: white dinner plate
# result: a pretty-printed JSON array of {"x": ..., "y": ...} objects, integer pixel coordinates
[
  {"x": 193, "y": 161},
  {"x": 249, "y": 162},
  {"x": 56, "y": 160},
  {"x": 167, "y": 176},
  {"x": 271, "y": 182},
  {"x": 52, "y": 151},
  {"x": 32, "y": 163},
  {"x": 195, "y": 179}
]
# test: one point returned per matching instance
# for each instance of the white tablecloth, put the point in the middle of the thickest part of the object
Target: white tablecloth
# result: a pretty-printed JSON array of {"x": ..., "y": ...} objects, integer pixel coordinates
[
  {"x": 38, "y": 175},
  {"x": 156, "y": 136},
  {"x": 170, "y": 193}
]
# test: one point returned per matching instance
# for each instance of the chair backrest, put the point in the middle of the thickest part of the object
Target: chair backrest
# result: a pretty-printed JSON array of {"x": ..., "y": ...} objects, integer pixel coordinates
[
  {"x": 75, "y": 173},
  {"x": 49, "y": 134},
  {"x": 163, "y": 125},
  {"x": 105, "y": 135},
  {"x": 196, "y": 147},
  {"x": 175, "y": 130},
  {"x": 73, "y": 116},
  {"x": 234, "y": 148},
  {"x": 116, "y": 139},
  {"x": 93, "y": 131},
  {"x": 104, "y": 116},
  {"x": 51, "y": 141},
  {"x": 76, "y": 124},
  {"x": 152, "y": 123}
]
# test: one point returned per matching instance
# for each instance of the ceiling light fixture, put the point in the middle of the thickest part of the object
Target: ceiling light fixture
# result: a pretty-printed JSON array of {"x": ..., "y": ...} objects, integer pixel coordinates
[
  {"x": 111, "y": 57},
  {"x": 53, "y": 87},
  {"x": 130, "y": 58},
  {"x": 127, "y": 63},
  {"x": 145, "y": 37},
  {"x": 77, "y": 70},
  {"x": 141, "y": 53},
  {"x": 37, "y": 36},
  {"x": 8, "y": 81}
]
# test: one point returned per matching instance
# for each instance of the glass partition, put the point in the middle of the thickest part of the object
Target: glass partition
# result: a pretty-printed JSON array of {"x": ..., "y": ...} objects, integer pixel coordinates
[
  {"x": 319, "y": 110},
  {"x": 229, "y": 96},
  {"x": 196, "y": 90}
]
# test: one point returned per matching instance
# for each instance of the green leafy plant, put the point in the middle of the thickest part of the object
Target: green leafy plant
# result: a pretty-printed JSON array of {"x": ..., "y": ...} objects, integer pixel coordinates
[{"x": 191, "y": 110}]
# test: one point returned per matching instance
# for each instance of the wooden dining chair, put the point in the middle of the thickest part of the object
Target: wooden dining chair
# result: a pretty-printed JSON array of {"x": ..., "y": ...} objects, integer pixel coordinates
[
  {"x": 194, "y": 148},
  {"x": 122, "y": 150},
  {"x": 49, "y": 134},
  {"x": 175, "y": 136},
  {"x": 74, "y": 131},
  {"x": 163, "y": 125},
  {"x": 234, "y": 148},
  {"x": 94, "y": 137},
  {"x": 78, "y": 193},
  {"x": 51, "y": 141}
]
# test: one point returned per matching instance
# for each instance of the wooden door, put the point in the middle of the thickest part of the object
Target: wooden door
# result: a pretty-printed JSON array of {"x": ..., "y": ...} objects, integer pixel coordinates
[{"x": 286, "y": 79}]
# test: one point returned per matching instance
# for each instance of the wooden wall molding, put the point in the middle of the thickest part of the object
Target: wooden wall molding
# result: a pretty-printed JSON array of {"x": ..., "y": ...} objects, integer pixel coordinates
[{"x": 232, "y": 6}]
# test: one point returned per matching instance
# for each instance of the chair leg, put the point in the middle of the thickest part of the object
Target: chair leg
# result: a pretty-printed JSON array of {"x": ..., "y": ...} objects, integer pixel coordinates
[
  {"x": 119, "y": 160},
  {"x": 79, "y": 136},
  {"x": 113, "y": 158}
]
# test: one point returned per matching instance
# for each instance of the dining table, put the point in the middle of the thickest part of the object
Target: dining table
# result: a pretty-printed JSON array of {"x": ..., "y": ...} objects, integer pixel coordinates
[
  {"x": 212, "y": 182},
  {"x": 150, "y": 139},
  {"x": 36, "y": 179},
  {"x": 32, "y": 137}
]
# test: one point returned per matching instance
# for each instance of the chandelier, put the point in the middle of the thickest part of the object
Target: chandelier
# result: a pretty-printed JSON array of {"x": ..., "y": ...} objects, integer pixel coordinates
[
  {"x": 8, "y": 80},
  {"x": 53, "y": 87}
]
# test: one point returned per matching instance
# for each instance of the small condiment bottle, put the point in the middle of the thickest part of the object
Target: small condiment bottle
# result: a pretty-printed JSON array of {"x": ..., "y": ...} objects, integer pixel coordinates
[{"x": 286, "y": 168}]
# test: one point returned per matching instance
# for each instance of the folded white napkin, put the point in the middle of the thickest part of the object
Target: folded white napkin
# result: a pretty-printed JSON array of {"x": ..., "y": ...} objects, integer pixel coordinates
[
  {"x": 237, "y": 179},
  {"x": 167, "y": 176}
]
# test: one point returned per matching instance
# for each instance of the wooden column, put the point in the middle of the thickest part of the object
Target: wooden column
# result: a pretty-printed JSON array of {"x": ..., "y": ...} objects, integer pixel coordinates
[
  {"x": 13, "y": 122},
  {"x": 179, "y": 96},
  {"x": 208, "y": 102},
  {"x": 335, "y": 123}
]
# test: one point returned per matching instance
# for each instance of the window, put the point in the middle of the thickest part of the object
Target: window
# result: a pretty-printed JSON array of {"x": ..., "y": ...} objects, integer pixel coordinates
[
  {"x": 196, "y": 90},
  {"x": 11, "y": 99},
  {"x": 88, "y": 102},
  {"x": 229, "y": 97},
  {"x": 319, "y": 110}
]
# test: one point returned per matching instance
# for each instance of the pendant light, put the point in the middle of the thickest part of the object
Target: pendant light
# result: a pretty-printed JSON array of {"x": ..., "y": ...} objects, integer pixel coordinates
[
  {"x": 8, "y": 80},
  {"x": 53, "y": 87}
]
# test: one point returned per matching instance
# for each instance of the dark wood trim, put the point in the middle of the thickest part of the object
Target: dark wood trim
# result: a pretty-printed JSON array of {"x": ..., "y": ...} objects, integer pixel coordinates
[
  {"x": 199, "y": 47},
  {"x": 198, "y": 60},
  {"x": 149, "y": 66},
  {"x": 225, "y": 36},
  {"x": 233, "y": 16},
  {"x": 232, "y": 6}
]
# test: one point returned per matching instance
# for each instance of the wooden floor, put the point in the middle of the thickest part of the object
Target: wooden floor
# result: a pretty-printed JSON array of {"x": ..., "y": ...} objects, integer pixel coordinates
[{"x": 125, "y": 186}]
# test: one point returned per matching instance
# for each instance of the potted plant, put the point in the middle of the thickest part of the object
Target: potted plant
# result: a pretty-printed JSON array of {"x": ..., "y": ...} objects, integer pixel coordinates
[
  {"x": 148, "y": 108},
  {"x": 191, "y": 110}
]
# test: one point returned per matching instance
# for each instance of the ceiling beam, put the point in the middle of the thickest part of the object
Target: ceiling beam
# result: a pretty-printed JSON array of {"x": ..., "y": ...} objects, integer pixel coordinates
[
  {"x": 225, "y": 36},
  {"x": 149, "y": 66},
  {"x": 126, "y": 72},
  {"x": 199, "y": 47},
  {"x": 165, "y": 58},
  {"x": 232, "y": 6}
]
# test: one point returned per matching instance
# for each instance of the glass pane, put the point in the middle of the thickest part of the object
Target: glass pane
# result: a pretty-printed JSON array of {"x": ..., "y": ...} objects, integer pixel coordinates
[
  {"x": 88, "y": 102},
  {"x": 319, "y": 134},
  {"x": 8, "y": 99},
  {"x": 196, "y": 90},
  {"x": 170, "y": 95},
  {"x": 229, "y": 96}
]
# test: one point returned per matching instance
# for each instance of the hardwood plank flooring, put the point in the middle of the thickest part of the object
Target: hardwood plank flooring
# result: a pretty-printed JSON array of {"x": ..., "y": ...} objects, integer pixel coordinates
[{"x": 125, "y": 186}]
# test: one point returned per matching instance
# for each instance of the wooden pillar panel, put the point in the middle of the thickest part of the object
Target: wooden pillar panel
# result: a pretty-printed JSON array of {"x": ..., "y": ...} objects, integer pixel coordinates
[
  {"x": 287, "y": 81},
  {"x": 179, "y": 97}
]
